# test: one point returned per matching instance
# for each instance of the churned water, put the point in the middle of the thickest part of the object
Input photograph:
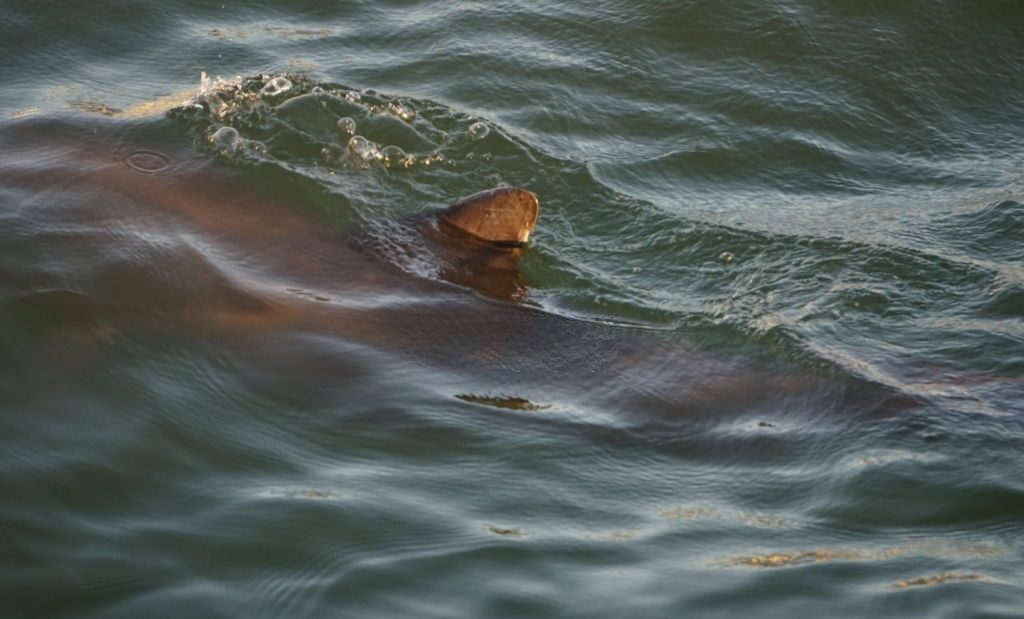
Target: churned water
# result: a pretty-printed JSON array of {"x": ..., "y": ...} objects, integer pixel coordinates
[{"x": 764, "y": 355}]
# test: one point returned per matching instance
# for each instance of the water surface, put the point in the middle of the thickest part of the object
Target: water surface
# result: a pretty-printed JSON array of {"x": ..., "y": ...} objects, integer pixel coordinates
[{"x": 766, "y": 356}]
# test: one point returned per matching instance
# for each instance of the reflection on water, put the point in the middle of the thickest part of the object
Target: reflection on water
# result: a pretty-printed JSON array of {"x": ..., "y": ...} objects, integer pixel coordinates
[
  {"x": 937, "y": 579},
  {"x": 510, "y": 402},
  {"x": 931, "y": 549}
]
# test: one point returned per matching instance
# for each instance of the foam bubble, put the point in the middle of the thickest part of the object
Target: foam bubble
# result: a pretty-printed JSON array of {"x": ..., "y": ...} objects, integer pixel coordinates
[
  {"x": 227, "y": 141},
  {"x": 402, "y": 110},
  {"x": 393, "y": 155},
  {"x": 478, "y": 130},
  {"x": 432, "y": 159},
  {"x": 363, "y": 148},
  {"x": 368, "y": 127},
  {"x": 255, "y": 147},
  {"x": 333, "y": 153},
  {"x": 346, "y": 125}
]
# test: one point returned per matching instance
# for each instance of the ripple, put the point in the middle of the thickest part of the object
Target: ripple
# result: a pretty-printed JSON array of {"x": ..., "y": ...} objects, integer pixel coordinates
[
  {"x": 148, "y": 161},
  {"x": 764, "y": 176}
]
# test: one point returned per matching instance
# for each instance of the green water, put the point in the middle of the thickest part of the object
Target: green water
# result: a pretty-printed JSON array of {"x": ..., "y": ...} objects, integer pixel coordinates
[{"x": 768, "y": 358}]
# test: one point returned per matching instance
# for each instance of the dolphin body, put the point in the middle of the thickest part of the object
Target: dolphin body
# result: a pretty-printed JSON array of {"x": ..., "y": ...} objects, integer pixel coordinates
[{"x": 155, "y": 243}]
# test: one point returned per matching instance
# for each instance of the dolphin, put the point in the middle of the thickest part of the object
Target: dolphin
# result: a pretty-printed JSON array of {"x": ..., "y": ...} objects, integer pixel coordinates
[{"x": 107, "y": 235}]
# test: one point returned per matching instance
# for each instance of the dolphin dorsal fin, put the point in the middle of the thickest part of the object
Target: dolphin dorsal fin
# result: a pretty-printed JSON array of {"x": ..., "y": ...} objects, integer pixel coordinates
[{"x": 504, "y": 216}]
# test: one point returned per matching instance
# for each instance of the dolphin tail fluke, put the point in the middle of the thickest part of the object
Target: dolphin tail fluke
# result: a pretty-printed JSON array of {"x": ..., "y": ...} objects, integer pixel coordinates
[{"x": 504, "y": 216}]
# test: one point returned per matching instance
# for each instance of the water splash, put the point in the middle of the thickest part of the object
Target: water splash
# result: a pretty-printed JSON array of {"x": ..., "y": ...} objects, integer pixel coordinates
[
  {"x": 210, "y": 85},
  {"x": 310, "y": 126}
]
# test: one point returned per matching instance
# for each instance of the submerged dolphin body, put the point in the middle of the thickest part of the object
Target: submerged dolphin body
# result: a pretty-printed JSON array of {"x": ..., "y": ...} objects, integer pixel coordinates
[{"x": 118, "y": 239}]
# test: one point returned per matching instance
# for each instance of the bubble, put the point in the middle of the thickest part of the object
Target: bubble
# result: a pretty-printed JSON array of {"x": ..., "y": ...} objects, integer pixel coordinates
[
  {"x": 402, "y": 110},
  {"x": 726, "y": 257},
  {"x": 478, "y": 130},
  {"x": 363, "y": 148},
  {"x": 276, "y": 86},
  {"x": 318, "y": 91},
  {"x": 226, "y": 140},
  {"x": 392, "y": 155},
  {"x": 346, "y": 125},
  {"x": 432, "y": 159},
  {"x": 332, "y": 153},
  {"x": 353, "y": 96},
  {"x": 255, "y": 147}
]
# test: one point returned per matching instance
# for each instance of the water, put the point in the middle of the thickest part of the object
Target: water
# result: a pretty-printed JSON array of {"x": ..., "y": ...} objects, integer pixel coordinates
[{"x": 765, "y": 355}]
